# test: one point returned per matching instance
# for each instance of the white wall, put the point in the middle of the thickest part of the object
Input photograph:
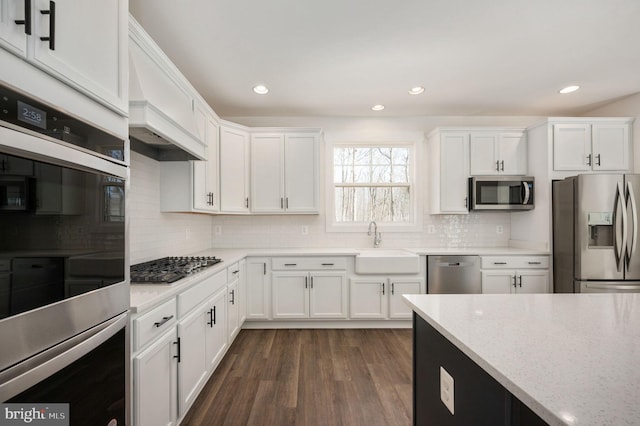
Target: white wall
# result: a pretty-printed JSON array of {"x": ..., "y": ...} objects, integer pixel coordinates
[
  {"x": 153, "y": 234},
  {"x": 473, "y": 230}
]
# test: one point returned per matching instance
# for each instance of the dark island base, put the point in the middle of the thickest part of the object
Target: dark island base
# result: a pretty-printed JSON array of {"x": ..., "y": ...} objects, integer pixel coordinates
[{"x": 478, "y": 398}]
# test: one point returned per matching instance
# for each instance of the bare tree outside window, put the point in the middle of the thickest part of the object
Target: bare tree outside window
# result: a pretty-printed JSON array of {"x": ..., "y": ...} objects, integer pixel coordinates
[{"x": 372, "y": 183}]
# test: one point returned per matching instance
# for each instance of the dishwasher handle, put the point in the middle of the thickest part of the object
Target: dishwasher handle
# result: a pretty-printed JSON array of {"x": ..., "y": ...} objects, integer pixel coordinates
[{"x": 453, "y": 264}]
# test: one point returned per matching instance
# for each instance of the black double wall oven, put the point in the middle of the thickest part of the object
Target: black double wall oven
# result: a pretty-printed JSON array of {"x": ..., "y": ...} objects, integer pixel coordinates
[{"x": 64, "y": 293}]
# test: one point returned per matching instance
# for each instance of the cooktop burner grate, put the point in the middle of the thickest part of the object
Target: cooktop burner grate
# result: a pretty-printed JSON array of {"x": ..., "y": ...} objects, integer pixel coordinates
[{"x": 169, "y": 269}]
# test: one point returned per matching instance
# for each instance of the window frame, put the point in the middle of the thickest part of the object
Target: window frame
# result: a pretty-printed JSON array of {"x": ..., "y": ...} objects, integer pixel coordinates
[{"x": 415, "y": 189}]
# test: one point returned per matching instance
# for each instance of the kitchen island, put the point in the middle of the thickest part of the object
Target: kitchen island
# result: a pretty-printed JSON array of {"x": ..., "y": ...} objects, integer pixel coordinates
[{"x": 528, "y": 359}]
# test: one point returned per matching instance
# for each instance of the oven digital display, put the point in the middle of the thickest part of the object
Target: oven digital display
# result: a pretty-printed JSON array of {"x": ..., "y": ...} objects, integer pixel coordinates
[{"x": 32, "y": 115}]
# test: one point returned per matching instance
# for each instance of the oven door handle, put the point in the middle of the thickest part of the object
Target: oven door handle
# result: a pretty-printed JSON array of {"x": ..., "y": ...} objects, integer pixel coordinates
[{"x": 24, "y": 375}]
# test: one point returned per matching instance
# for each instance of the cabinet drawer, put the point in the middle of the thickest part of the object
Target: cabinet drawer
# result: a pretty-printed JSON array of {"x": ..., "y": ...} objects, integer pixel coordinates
[
  {"x": 152, "y": 324},
  {"x": 510, "y": 262},
  {"x": 195, "y": 295},
  {"x": 307, "y": 263},
  {"x": 232, "y": 272}
]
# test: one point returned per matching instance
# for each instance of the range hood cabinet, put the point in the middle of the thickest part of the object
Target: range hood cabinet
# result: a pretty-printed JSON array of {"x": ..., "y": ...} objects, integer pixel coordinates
[{"x": 162, "y": 122}]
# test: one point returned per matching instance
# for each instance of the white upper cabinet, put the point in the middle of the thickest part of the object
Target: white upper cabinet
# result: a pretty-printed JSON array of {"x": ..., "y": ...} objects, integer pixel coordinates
[
  {"x": 449, "y": 160},
  {"x": 284, "y": 172},
  {"x": 13, "y": 36},
  {"x": 83, "y": 44},
  {"x": 597, "y": 145},
  {"x": 192, "y": 186},
  {"x": 234, "y": 169},
  {"x": 498, "y": 152},
  {"x": 206, "y": 196}
]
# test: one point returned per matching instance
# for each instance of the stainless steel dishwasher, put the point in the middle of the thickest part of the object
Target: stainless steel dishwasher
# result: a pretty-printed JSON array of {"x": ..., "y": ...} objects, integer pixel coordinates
[{"x": 453, "y": 275}]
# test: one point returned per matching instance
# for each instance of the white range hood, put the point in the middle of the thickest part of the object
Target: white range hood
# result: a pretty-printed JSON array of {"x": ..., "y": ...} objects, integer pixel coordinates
[{"x": 162, "y": 122}]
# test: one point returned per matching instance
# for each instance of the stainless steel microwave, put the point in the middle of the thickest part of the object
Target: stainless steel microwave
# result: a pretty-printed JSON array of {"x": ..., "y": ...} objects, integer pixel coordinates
[{"x": 501, "y": 193}]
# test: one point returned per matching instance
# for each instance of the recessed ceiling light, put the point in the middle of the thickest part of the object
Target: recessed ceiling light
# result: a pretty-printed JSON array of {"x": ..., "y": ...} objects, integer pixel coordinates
[
  {"x": 416, "y": 90},
  {"x": 569, "y": 89},
  {"x": 261, "y": 89},
  {"x": 377, "y": 107}
]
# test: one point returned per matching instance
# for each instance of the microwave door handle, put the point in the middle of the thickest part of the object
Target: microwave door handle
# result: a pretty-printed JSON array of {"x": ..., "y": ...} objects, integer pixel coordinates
[{"x": 526, "y": 193}]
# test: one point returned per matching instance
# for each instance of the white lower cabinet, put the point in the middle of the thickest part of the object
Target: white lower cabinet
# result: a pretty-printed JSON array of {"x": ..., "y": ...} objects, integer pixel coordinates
[
  {"x": 301, "y": 294},
  {"x": 515, "y": 274},
  {"x": 234, "y": 295},
  {"x": 192, "y": 358},
  {"x": 258, "y": 289},
  {"x": 381, "y": 297},
  {"x": 155, "y": 378},
  {"x": 178, "y": 344}
]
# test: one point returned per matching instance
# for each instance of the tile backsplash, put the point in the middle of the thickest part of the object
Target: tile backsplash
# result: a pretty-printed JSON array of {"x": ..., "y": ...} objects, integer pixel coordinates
[
  {"x": 154, "y": 234},
  {"x": 472, "y": 230}
]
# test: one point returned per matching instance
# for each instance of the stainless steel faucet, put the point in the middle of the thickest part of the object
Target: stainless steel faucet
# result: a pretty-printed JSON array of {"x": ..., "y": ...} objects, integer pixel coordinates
[{"x": 377, "y": 236}]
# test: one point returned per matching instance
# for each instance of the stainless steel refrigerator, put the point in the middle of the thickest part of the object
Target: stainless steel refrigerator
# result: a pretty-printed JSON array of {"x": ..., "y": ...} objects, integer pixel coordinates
[{"x": 595, "y": 234}]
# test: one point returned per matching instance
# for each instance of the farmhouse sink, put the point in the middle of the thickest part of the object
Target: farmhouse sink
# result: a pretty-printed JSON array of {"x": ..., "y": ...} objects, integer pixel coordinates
[{"x": 387, "y": 261}]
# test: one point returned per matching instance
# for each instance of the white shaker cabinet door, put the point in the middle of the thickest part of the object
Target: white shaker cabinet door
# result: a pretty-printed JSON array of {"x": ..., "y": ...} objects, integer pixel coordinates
[
  {"x": 328, "y": 295},
  {"x": 86, "y": 47},
  {"x": 512, "y": 153},
  {"x": 301, "y": 173},
  {"x": 368, "y": 298},
  {"x": 267, "y": 173},
  {"x": 454, "y": 173},
  {"x": 482, "y": 153},
  {"x": 290, "y": 294},
  {"x": 610, "y": 146},
  {"x": 572, "y": 147},
  {"x": 234, "y": 170},
  {"x": 155, "y": 386}
]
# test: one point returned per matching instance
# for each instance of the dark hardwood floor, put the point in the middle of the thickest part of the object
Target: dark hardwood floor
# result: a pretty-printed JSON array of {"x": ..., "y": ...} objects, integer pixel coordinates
[{"x": 310, "y": 377}]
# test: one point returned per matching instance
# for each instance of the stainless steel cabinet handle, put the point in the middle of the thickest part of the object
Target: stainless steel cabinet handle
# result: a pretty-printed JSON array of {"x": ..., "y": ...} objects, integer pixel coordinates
[
  {"x": 162, "y": 322},
  {"x": 290, "y": 264},
  {"x": 236, "y": 271},
  {"x": 497, "y": 166},
  {"x": 246, "y": 202},
  {"x": 286, "y": 202},
  {"x": 393, "y": 289},
  {"x": 534, "y": 263},
  {"x": 589, "y": 160},
  {"x": 514, "y": 280},
  {"x": 311, "y": 282},
  {"x": 327, "y": 264},
  {"x": 466, "y": 202},
  {"x": 52, "y": 25},
  {"x": 502, "y": 166},
  {"x": 264, "y": 268},
  {"x": 597, "y": 159},
  {"x": 210, "y": 322},
  {"x": 520, "y": 280},
  {"x": 281, "y": 203},
  {"x": 383, "y": 289},
  {"x": 499, "y": 263},
  {"x": 27, "y": 18},
  {"x": 306, "y": 284},
  {"x": 233, "y": 297}
]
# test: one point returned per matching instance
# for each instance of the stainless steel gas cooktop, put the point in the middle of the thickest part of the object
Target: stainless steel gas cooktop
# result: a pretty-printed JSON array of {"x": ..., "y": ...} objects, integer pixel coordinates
[{"x": 169, "y": 269}]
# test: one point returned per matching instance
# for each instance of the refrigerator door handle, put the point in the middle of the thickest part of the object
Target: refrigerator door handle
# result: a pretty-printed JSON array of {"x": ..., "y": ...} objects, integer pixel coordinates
[
  {"x": 634, "y": 214},
  {"x": 619, "y": 246}
]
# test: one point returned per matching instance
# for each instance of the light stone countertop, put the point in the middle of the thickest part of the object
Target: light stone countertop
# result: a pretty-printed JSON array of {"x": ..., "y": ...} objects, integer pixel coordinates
[
  {"x": 146, "y": 296},
  {"x": 573, "y": 359}
]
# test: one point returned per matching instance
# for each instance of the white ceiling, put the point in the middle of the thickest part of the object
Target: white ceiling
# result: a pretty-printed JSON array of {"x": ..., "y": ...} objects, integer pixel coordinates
[{"x": 340, "y": 57}]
